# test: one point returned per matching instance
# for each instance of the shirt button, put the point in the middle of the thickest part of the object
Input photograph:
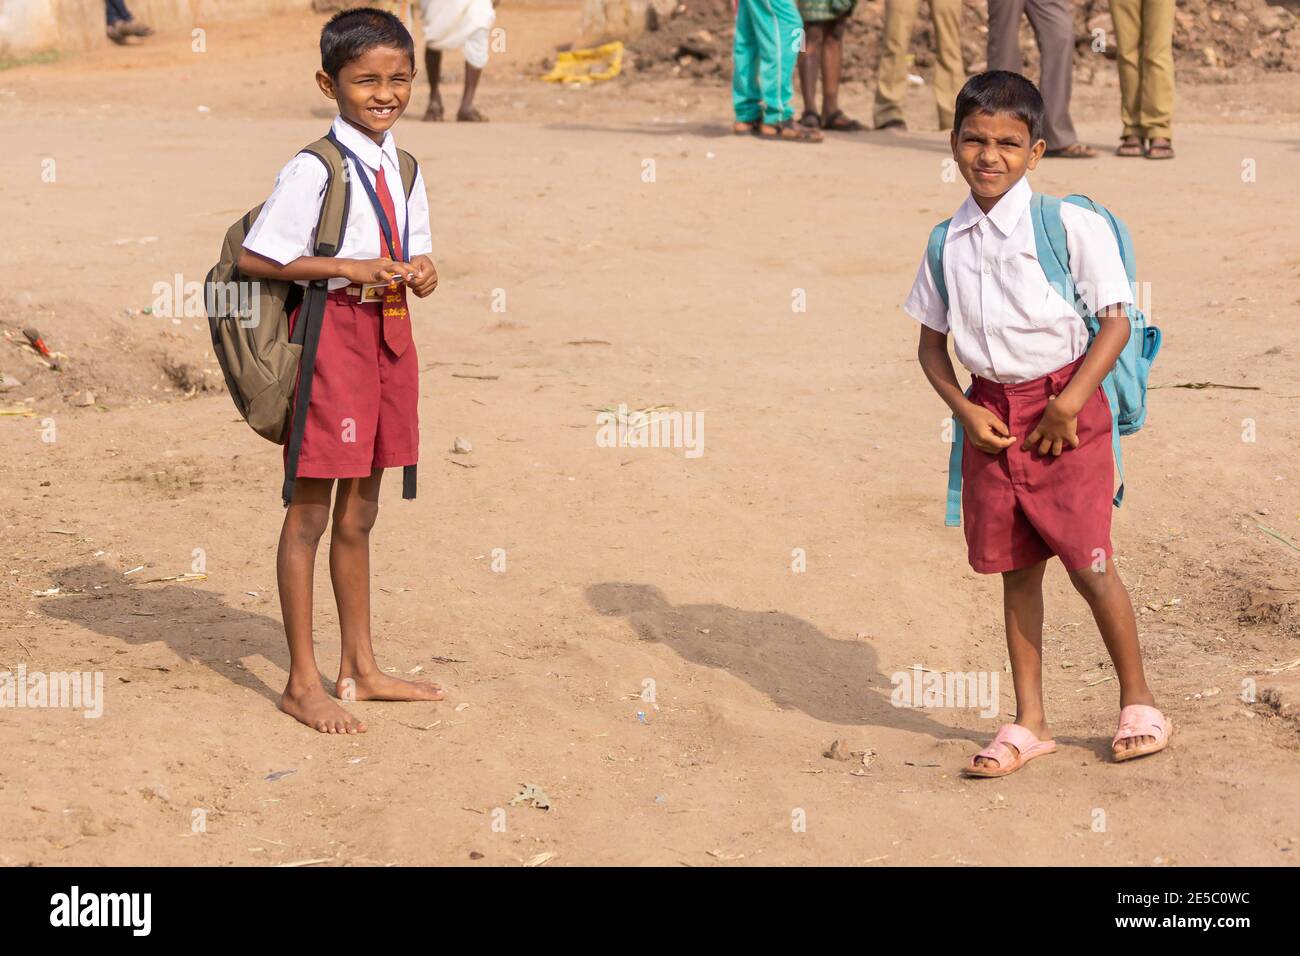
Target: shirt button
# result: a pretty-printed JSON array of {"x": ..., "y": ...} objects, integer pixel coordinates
[{"x": 988, "y": 270}]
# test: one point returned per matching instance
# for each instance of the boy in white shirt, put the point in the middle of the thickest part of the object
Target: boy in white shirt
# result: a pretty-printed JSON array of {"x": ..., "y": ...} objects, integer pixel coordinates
[
  {"x": 1037, "y": 465},
  {"x": 361, "y": 416}
]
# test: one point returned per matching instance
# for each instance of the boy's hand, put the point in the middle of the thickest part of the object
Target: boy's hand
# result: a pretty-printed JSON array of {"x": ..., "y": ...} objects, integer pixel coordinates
[
  {"x": 985, "y": 430},
  {"x": 426, "y": 276},
  {"x": 362, "y": 271},
  {"x": 1056, "y": 429}
]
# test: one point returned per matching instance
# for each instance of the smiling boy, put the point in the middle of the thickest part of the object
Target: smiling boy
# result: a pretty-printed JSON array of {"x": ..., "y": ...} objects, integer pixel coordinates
[
  {"x": 361, "y": 416},
  {"x": 1037, "y": 465}
]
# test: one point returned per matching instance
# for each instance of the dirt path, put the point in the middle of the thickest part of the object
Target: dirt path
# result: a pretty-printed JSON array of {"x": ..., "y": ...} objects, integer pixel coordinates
[{"x": 622, "y": 565}]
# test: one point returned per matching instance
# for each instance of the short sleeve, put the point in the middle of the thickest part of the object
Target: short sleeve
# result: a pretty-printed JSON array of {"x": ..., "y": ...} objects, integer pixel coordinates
[
  {"x": 285, "y": 228},
  {"x": 1095, "y": 262},
  {"x": 417, "y": 208},
  {"x": 924, "y": 302}
]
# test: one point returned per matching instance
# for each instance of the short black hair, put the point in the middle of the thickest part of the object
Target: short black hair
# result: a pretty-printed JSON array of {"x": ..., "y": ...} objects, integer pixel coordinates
[
  {"x": 351, "y": 33},
  {"x": 1001, "y": 91}
]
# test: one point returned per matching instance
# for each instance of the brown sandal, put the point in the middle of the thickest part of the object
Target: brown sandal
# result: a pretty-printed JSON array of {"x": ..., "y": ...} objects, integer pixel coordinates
[
  {"x": 746, "y": 127},
  {"x": 1130, "y": 146},
  {"x": 790, "y": 132},
  {"x": 1073, "y": 151},
  {"x": 1160, "y": 149}
]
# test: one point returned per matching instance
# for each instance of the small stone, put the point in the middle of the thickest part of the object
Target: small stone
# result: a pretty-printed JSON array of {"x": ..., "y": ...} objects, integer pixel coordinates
[{"x": 461, "y": 446}]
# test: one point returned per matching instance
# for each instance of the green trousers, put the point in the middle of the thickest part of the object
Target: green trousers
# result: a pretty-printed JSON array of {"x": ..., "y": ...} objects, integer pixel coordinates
[
  {"x": 769, "y": 34},
  {"x": 1144, "y": 38}
]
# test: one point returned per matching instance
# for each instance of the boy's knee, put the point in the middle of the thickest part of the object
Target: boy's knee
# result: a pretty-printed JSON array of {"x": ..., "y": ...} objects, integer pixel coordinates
[
  {"x": 356, "y": 520},
  {"x": 1089, "y": 582},
  {"x": 306, "y": 525}
]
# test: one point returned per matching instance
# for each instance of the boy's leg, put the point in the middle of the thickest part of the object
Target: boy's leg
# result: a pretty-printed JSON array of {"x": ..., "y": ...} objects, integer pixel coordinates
[
  {"x": 433, "y": 68},
  {"x": 1113, "y": 611},
  {"x": 810, "y": 64},
  {"x": 745, "y": 96},
  {"x": 1022, "y": 606},
  {"x": 355, "y": 508},
  {"x": 304, "y": 697}
]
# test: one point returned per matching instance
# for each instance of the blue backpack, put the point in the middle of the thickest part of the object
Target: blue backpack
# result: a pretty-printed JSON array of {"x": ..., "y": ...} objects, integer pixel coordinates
[{"x": 1126, "y": 384}]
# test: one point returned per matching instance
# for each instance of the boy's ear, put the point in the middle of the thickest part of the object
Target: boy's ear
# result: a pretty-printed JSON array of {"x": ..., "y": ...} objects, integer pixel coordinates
[
  {"x": 1036, "y": 152},
  {"x": 952, "y": 141},
  {"x": 326, "y": 84}
]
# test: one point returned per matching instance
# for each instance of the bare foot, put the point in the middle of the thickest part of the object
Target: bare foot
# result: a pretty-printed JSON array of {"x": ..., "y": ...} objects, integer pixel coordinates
[
  {"x": 470, "y": 115},
  {"x": 313, "y": 707},
  {"x": 435, "y": 112},
  {"x": 376, "y": 685}
]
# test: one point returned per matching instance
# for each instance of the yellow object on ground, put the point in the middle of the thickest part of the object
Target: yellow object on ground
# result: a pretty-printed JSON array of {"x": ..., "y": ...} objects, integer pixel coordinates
[{"x": 603, "y": 62}]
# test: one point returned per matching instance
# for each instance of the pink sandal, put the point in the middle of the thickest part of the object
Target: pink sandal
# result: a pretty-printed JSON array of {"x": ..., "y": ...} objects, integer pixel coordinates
[
  {"x": 1026, "y": 748},
  {"x": 1141, "y": 720}
]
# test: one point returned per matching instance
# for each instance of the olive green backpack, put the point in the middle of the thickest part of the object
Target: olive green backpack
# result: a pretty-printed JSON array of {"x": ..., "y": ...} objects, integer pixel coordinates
[{"x": 249, "y": 320}]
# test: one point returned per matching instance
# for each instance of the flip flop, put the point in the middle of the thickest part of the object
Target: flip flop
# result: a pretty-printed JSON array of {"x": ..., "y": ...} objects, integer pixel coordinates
[
  {"x": 1026, "y": 748},
  {"x": 837, "y": 122},
  {"x": 897, "y": 124},
  {"x": 788, "y": 131},
  {"x": 1141, "y": 720}
]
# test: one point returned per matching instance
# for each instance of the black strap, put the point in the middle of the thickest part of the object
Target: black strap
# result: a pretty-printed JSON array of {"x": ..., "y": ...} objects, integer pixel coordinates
[
  {"x": 311, "y": 316},
  {"x": 408, "y": 482},
  {"x": 378, "y": 206}
]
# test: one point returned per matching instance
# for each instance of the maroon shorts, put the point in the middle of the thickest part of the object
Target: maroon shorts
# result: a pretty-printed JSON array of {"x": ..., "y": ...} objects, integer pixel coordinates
[
  {"x": 363, "y": 410},
  {"x": 1022, "y": 507}
]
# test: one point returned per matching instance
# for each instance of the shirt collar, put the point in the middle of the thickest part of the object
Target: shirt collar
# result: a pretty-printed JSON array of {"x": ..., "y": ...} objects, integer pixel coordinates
[
  {"x": 1005, "y": 215},
  {"x": 366, "y": 149}
]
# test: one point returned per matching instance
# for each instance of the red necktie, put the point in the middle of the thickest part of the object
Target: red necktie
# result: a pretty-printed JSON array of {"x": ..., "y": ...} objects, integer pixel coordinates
[{"x": 397, "y": 330}]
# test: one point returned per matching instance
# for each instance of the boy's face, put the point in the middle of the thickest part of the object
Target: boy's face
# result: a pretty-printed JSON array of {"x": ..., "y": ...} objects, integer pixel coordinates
[
  {"x": 372, "y": 91},
  {"x": 993, "y": 151}
]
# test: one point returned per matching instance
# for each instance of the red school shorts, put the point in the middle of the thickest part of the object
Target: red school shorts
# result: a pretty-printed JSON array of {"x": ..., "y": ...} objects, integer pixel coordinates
[
  {"x": 363, "y": 411},
  {"x": 1022, "y": 507}
]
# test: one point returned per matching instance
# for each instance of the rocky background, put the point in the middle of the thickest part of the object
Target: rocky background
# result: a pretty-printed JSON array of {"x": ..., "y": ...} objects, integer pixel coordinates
[{"x": 1215, "y": 41}]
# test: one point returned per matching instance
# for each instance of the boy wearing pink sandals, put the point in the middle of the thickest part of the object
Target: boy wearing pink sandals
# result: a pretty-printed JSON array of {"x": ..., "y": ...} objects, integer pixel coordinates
[{"x": 1037, "y": 464}]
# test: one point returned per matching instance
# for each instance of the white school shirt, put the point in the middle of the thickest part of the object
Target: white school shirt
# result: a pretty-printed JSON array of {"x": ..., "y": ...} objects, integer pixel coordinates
[
  {"x": 285, "y": 229},
  {"x": 1007, "y": 322}
]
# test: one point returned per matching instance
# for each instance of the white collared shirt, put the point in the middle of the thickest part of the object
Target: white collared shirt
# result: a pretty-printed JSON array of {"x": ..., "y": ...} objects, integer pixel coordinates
[
  {"x": 285, "y": 229},
  {"x": 1007, "y": 322}
]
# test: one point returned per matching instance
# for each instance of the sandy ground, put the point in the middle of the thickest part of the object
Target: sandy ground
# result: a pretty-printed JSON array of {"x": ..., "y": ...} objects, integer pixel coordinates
[{"x": 623, "y": 565}]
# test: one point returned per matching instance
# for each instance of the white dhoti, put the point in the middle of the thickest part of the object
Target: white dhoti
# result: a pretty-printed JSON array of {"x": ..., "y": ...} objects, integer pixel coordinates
[{"x": 459, "y": 25}]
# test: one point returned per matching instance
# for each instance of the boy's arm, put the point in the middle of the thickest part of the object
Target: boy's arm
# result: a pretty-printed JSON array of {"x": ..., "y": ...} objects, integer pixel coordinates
[
  {"x": 308, "y": 268},
  {"x": 985, "y": 430}
]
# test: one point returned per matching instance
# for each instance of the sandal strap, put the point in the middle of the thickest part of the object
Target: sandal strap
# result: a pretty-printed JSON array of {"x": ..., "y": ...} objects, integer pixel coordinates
[{"x": 1140, "y": 720}]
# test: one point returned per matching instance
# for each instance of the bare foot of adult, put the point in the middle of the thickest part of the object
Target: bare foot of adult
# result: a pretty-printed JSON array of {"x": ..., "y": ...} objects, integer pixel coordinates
[
  {"x": 376, "y": 685},
  {"x": 309, "y": 704},
  {"x": 469, "y": 114},
  {"x": 434, "y": 113}
]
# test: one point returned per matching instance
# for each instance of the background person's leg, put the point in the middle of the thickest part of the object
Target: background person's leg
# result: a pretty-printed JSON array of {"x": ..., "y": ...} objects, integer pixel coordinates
[
  {"x": 746, "y": 96},
  {"x": 1053, "y": 25},
  {"x": 810, "y": 65},
  {"x": 1127, "y": 17},
  {"x": 433, "y": 69},
  {"x": 1004, "y": 35},
  {"x": 891, "y": 75},
  {"x": 949, "y": 71},
  {"x": 1156, "y": 97}
]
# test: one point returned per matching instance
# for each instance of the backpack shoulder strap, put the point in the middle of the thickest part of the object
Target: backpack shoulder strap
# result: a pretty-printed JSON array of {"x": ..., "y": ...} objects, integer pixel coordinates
[
  {"x": 934, "y": 256},
  {"x": 1053, "y": 250},
  {"x": 334, "y": 209},
  {"x": 410, "y": 168}
]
